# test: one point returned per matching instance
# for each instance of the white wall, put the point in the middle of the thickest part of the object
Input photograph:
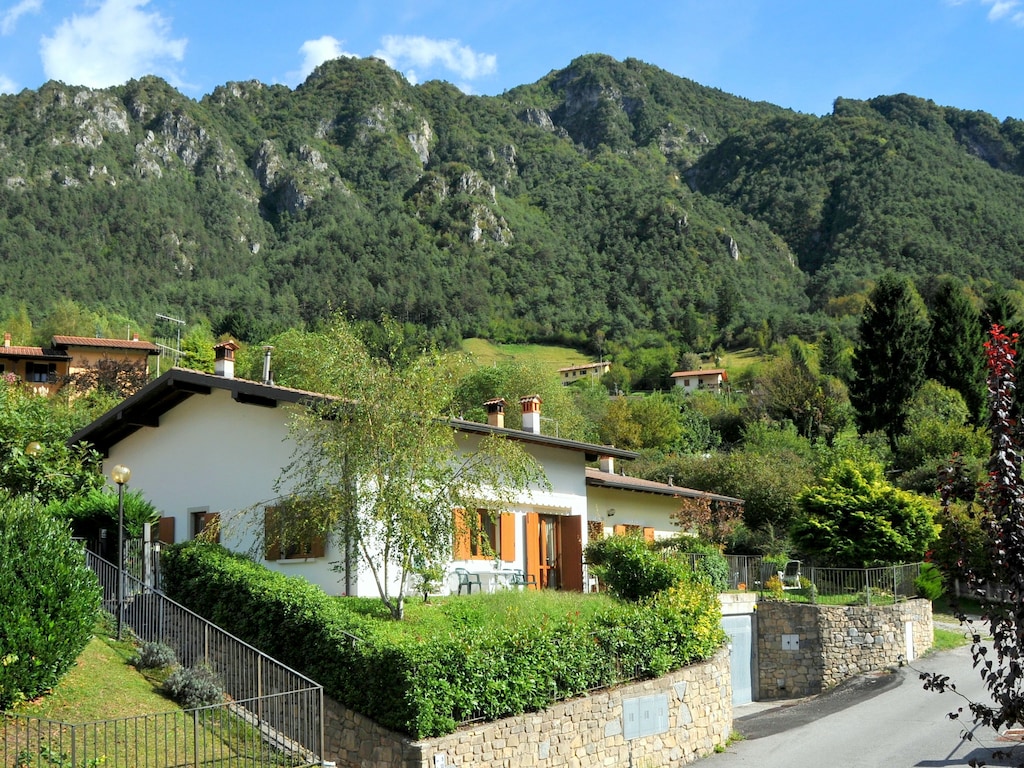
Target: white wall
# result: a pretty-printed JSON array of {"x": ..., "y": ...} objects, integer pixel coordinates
[
  {"x": 213, "y": 453},
  {"x": 631, "y": 508}
]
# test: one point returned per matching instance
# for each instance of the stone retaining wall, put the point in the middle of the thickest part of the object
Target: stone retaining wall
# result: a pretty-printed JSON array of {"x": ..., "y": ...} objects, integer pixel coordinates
[
  {"x": 670, "y": 721},
  {"x": 803, "y": 649}
]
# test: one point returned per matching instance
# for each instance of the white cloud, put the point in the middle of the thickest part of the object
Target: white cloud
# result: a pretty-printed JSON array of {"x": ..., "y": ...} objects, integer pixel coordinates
[
  {"x": 116, "y": 43},
  {"x": 316, "y": 52},
  {"x": 7, "y": 85},
  {"x": 9, "y": 18},
  {"x": 410, "y": 54},
  {"x": 1000, "y": 10}
]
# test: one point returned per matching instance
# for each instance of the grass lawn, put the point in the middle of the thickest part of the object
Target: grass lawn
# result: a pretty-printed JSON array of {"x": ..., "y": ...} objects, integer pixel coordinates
[
  {"x": 101, "y": 686},
  {"x": 486, "y": 353}
]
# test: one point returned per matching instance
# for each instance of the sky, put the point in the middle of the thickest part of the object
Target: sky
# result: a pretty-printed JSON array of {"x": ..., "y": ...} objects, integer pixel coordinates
[{"x": 800, "y": 54}]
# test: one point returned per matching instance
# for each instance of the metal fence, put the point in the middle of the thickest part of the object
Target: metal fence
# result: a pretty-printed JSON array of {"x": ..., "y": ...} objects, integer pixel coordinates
[
  {"x": 274, "y": 716},
  {"x": 845, "y": 586},
  {"x": 808, "y": 583}
]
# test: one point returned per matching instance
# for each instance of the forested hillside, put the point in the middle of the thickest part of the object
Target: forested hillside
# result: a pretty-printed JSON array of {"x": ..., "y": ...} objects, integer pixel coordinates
[{"x": 606, "y": 201}]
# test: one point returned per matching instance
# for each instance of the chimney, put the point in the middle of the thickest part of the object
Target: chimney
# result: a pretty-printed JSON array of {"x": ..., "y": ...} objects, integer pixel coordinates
[
  {"x": 496, "y": 412},
  {"x": 531, "y": 413},
  {"x": 266, "y": 365},
  {"x": 607, "y": 464},
  {"x": 224, "y": 358},
  {"x": 7, "y": 340},
  {"x": 135, "y": 336}
]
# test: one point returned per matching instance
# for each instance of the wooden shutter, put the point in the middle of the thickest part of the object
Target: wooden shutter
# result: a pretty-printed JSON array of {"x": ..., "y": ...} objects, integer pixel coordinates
[
  {"x": 318, "y": 546},
  {"x": 619, "y": 530},
  {"x": 507, "y": 536},
  {"x": 460, "y": 535},
  {"x": 533, "y": 546},
  {"x": 571, "y": 556},
  {"x": 271, "y": 535},
  {"x": 649, "y": 535},
  {"x": 165, "y": 530}
]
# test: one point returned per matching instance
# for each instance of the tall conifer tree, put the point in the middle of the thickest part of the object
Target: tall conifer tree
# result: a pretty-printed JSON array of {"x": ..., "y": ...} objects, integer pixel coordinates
[
  {"x": 956, "y": 358},
  {"x": 889, "y": 360}
]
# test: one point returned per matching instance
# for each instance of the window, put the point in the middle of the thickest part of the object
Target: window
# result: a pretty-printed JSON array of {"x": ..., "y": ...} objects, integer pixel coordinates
[
  {"x": 291, "y": 545},
  {"x": 484, "y": 535},
  {"x": 205, "y": 524},
  {"x": 41, "y": 373}
]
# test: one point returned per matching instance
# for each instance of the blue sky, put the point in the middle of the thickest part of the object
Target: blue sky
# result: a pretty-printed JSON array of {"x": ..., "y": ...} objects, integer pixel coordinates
[{"x": 800, "y": 54}]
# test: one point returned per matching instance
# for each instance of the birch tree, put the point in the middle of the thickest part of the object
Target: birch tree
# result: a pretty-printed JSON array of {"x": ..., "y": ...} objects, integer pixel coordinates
[{"x": 378, "y": 465}]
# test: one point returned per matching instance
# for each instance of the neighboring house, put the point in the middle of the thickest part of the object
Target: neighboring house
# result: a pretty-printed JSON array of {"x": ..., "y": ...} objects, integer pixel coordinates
[
  {"x": 710, "y": 379},
  {"x": 42, "y": 370},
  {"x": 618, "y": 504},
  {"x": 592, "y": 371},
  {"x": 47, "y": 370}
]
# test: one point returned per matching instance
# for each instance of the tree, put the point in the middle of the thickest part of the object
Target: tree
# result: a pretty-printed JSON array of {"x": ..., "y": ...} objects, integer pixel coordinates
[
  {"x": 378, "y": 465},
  {"x": 1000, "y": 530},
  {"x": 855, "y": 519},
  {"x": 889, "y": 361},
  {"x": 50, "y": 469},
  {"x": 512, "y": 380},
  {"x": 955, "y": 354}
]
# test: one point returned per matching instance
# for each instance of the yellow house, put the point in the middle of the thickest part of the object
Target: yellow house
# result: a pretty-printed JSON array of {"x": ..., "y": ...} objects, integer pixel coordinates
[{"x": 46, "y": 370}]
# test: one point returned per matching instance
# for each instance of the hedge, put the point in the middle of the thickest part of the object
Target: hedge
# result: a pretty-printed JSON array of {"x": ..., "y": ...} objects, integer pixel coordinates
[
  {"x": 425, "y": 682},
  {"x": 49, "y": 600}
]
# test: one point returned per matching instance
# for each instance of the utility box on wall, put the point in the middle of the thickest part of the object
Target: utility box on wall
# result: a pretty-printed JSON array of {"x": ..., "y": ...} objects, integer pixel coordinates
[{"x": 791, "y": 642}]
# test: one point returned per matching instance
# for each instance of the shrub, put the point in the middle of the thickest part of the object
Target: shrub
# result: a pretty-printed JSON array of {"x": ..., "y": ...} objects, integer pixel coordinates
[
  {"x": 154, "y": 656},
  {"x": 194, "y": 687},
  {"x": 481, "y": 656},
  {"x": 631, "y": 569},
  {"x": 50, "y": 600},
  {"x": 929, "y": 582}
]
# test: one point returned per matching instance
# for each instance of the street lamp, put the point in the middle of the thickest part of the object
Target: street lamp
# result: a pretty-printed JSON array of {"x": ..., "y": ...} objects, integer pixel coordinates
[{"x": 120, "y": 474}]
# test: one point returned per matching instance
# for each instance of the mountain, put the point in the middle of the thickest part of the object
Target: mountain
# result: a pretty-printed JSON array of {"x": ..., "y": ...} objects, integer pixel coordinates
[{"x": 608, "y": 198}]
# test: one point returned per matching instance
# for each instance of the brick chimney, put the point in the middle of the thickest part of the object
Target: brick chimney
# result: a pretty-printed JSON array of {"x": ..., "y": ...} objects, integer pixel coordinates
[
  {"x": 7, "y": 340},
  {"x": 607, "y": 464},
  {"x": 531, "y": 413},
  {"x": 496, "y": 411},
  {"x": 224, "y": 358}
]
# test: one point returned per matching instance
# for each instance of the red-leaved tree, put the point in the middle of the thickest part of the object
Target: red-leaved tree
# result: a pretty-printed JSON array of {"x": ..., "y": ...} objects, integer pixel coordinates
[{"x": 999, "y": 585}]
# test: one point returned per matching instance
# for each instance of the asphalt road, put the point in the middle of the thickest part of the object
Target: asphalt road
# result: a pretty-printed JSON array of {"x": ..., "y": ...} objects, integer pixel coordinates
[{"x": 876, "y": 721}]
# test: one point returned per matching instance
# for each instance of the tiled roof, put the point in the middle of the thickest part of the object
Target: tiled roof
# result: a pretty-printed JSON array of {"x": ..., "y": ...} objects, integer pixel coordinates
[
  {"x": 39, "y": 352},
  {"x": 583, "y": 367},
  {"x": 703, "y": 372},
  {"x": 625, "y": 482},
  {"x": 91, "y": 341}
]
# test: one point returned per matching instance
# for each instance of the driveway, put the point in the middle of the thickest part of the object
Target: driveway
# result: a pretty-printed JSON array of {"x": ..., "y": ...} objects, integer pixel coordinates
[{"x": 873, "y": 721}]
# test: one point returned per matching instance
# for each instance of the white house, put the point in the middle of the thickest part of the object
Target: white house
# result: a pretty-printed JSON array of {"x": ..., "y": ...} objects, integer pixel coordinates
[
  {"x": 207, "y": 448},
  {"x": 592, "y": 371},
  {"x": 706, "y": 379}
]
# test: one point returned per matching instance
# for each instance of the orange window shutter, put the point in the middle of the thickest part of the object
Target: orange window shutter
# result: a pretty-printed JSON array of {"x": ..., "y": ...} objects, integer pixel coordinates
[
  {"x": 649, "y": 535},
  {"x": 271, "y": 535},
  {"x": 165, "y": 530},
  {"x": 619, "y": 530},
  {"x": 460, "y": 535},
  {"x": 533, "y": 546},
  {"x": 507, "y": 532}
]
